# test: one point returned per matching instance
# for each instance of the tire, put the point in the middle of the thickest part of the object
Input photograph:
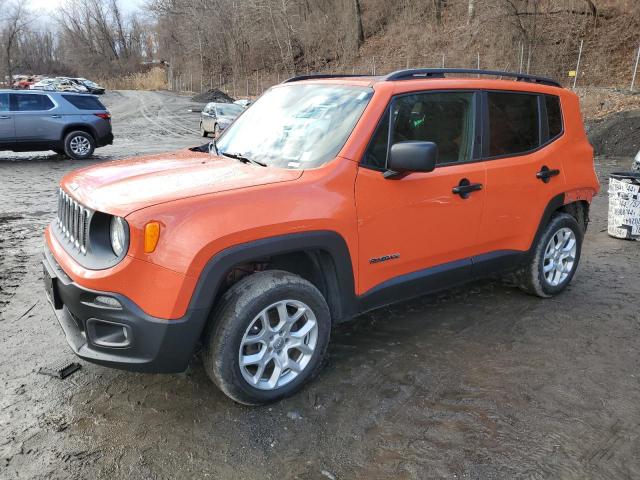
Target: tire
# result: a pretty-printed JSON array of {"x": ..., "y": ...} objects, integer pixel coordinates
[
  {"x": 79, "y": 145},
  {"x": 562, "y": 229},
  {"x": 216, "y": 131},
  {"x": 237, "y": 320},
  {"x": 203, "y": 132}
]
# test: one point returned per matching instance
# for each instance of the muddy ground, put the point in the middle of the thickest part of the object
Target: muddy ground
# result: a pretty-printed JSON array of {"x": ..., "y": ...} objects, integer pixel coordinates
[{"x": 482, "y": 382}]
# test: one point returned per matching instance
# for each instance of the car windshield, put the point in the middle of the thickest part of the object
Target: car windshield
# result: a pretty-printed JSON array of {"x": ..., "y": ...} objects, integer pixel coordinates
[
  {"x": 296, "y": 126},
  {"x": 230, "y": 110}
]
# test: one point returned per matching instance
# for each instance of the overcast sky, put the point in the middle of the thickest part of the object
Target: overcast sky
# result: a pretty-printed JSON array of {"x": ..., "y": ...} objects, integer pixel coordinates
[{"x": 51, "y": 5}]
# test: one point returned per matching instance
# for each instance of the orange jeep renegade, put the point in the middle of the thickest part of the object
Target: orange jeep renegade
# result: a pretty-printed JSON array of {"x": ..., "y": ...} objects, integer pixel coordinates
[{"x": 328, "y": 197}]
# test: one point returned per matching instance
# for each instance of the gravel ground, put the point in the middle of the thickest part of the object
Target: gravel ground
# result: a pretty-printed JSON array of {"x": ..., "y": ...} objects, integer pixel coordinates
[{"x": 480, "y": 382}]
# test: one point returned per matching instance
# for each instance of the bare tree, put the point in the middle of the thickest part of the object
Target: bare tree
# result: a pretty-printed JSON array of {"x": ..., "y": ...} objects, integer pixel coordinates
[
  {"x": 358, "y": 16},
  {"x": 14, "y": 24}
]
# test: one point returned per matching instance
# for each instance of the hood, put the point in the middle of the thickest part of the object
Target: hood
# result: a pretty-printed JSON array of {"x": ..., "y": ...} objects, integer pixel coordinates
[{"x": 124, "y": 186}]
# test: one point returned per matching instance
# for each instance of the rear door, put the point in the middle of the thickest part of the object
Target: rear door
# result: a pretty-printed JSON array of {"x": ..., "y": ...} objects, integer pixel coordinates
[
  {"x": 524, "y": 166},
  {"x": 37, "y": 118},
  {"x": 7, "y": 128}
]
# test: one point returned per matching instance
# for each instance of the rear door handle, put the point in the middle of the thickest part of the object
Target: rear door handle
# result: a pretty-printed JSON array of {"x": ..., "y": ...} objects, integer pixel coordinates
[
  {"x": 545, "y": 174},
  {"x": 465, "y": 188},
  {"x": 56, "y": 116},
  {"x": 4, "y": 117}
]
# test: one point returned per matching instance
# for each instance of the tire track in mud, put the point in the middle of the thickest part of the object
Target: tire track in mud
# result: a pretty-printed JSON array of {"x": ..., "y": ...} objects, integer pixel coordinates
[{"x": 168, "y": 126}]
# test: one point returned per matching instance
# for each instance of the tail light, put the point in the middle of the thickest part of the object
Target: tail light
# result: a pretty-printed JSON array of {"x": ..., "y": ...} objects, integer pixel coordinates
[{"x": 106, "y": 116}]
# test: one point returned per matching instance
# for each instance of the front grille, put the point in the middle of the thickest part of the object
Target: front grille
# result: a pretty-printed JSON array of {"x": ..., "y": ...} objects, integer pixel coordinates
[{"x": 73, "y": 221}]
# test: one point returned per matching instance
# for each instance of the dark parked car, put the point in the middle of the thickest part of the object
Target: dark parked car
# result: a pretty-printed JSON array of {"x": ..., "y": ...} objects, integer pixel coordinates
[{"x": 70, "y": 124}]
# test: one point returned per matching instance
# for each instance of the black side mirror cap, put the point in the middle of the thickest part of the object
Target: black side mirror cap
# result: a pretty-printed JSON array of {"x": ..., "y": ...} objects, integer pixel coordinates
[{"x": 411, "y": 156}]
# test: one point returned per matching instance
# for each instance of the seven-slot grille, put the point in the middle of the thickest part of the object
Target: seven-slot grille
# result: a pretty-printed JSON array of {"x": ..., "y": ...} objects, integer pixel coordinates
[{"x": 73, "y": 221}]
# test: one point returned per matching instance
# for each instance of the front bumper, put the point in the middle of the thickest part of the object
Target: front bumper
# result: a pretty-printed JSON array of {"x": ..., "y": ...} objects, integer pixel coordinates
[{"x": 124, "y": 338}]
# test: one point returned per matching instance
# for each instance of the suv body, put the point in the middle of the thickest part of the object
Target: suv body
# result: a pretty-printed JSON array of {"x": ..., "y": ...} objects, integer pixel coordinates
[
  {"x": 67, "y": 123},
  {"x": 254, "y": 261}
]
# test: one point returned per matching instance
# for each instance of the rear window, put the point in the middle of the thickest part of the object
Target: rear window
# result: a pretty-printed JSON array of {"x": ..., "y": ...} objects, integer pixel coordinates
[
  {"x": 513, "y": 120},
  {"x": 554, "y": 116},
  {"x": 84, "y": 102}
]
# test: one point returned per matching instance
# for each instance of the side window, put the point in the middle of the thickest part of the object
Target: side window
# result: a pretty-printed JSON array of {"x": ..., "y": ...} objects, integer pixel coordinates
[
  {"x": 554, "y": 115},
  {"x": 445, "y": 119},
  {"x": 513, "y": 123},
  {"x": 4, "y": 102},
  {"x": 28, "y": 102},
  {"x": 376, "y": 155}
]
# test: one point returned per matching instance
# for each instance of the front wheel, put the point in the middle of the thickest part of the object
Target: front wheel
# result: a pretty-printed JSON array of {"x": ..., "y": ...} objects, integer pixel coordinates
[
  {"x": 555, "y": 257},
  {"x": 267, "y": 337},
  {"x": 79, "y": 145},
  {"x": 203, "y": 132}
]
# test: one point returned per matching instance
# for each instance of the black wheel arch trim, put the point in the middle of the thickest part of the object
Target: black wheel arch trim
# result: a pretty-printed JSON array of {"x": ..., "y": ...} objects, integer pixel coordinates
[
  {"x": 337, "y": 262},
  {"x": 81, "y": 127}
]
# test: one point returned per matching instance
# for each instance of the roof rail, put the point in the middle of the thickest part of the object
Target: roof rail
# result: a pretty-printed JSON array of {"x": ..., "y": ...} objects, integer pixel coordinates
[
  {"x": 311, "y": 76},
  {"x": 415, "y": 73}
]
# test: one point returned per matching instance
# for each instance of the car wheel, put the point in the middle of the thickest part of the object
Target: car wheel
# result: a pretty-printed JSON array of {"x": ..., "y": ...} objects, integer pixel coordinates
[
  {"x": 79, "y": 145},
  {"x": 216, "y": 131},
  {"x": 203, "y": 132},
  {"x": 555, "y": 257},
  {"x": 267, "y": 337}
]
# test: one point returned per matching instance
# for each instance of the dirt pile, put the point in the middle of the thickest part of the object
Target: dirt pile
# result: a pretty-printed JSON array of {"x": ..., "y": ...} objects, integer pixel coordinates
[
  {"x": 616, "y": 135},
  {"x": 212, "y": 95}
]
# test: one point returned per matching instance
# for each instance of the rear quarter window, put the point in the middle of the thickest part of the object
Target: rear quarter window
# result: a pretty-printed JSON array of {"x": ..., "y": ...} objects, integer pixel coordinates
[
  {"x": 554, "y": 115},
  {"x": 84, "y": 102}
]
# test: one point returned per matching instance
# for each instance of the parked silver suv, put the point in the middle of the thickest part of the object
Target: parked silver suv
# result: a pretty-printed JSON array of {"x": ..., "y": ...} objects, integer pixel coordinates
[{"x": 68, "y": 123}]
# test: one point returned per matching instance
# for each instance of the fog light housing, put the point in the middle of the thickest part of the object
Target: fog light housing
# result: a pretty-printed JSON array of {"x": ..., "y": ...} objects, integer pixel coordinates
[{"x": 109, "y": 334}]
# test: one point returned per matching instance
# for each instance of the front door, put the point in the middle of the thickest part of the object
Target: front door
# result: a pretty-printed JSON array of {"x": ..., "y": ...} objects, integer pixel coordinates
[
  {"x": 417, "y": 225},
  {"x": 7, "y": 129}
]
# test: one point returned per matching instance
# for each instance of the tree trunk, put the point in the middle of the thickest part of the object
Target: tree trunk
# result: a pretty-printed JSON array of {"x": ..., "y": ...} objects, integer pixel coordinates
[
  {"x": 438, "y": 7},
  {"x": 358, "y": 16},
  {"x": 471, "y": 12}
]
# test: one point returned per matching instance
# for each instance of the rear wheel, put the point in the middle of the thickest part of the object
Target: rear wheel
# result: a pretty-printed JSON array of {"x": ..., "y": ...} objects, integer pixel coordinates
[
  {"x": 267, "y": 337},
  {"x": 79, "y": 145},
  {"x": 555, "y": 258}
]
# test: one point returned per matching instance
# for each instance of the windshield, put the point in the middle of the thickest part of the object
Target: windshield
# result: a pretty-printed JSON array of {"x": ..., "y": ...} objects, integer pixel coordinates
[
  {"x": 230, "y": 110},
  {"x": 296, "y": 126}
]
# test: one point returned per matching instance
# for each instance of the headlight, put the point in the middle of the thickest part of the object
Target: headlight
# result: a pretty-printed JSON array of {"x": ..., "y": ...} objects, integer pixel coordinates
[{"x": 118, "y": 235}]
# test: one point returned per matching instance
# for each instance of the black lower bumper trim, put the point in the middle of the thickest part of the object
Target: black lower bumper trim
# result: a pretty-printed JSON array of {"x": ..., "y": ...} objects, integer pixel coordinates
[{"x": 153, "y": 345}]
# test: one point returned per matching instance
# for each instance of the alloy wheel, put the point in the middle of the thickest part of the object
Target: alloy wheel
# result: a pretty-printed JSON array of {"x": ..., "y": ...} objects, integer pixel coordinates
[
  {"x": 278, "y": 344},
  {"x": 80, "y": 145},
  {"x": 559, "y": 256}
]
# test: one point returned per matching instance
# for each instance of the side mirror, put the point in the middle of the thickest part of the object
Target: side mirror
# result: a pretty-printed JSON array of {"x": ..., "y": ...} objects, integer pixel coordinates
[{"x": 412, "y": 156}]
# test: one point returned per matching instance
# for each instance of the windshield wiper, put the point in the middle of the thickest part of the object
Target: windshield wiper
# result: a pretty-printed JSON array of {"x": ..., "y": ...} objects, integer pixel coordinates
[{"x": 243, "y": 159}]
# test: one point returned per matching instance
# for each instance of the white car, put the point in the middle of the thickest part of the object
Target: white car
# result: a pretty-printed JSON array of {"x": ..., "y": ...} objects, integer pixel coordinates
[
  {"x": 44, "y": 84},
  {"x": 636, "y": 163}
]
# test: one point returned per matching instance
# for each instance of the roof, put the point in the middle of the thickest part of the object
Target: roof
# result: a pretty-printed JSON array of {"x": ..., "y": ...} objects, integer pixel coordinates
[{"x": 428, "y": 73}]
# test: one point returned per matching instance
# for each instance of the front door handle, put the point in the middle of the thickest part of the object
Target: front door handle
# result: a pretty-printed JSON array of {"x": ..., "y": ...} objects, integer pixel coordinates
[
  {"x": 465, "y": 188},
  {"x": 545, "y": 174},
  {"x": 4, "y": 117},
  {"x": 56, "y": 116}
]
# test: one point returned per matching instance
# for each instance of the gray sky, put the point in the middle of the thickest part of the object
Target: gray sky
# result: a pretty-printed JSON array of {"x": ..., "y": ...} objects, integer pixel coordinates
[{"x": 51, "y": 5}]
